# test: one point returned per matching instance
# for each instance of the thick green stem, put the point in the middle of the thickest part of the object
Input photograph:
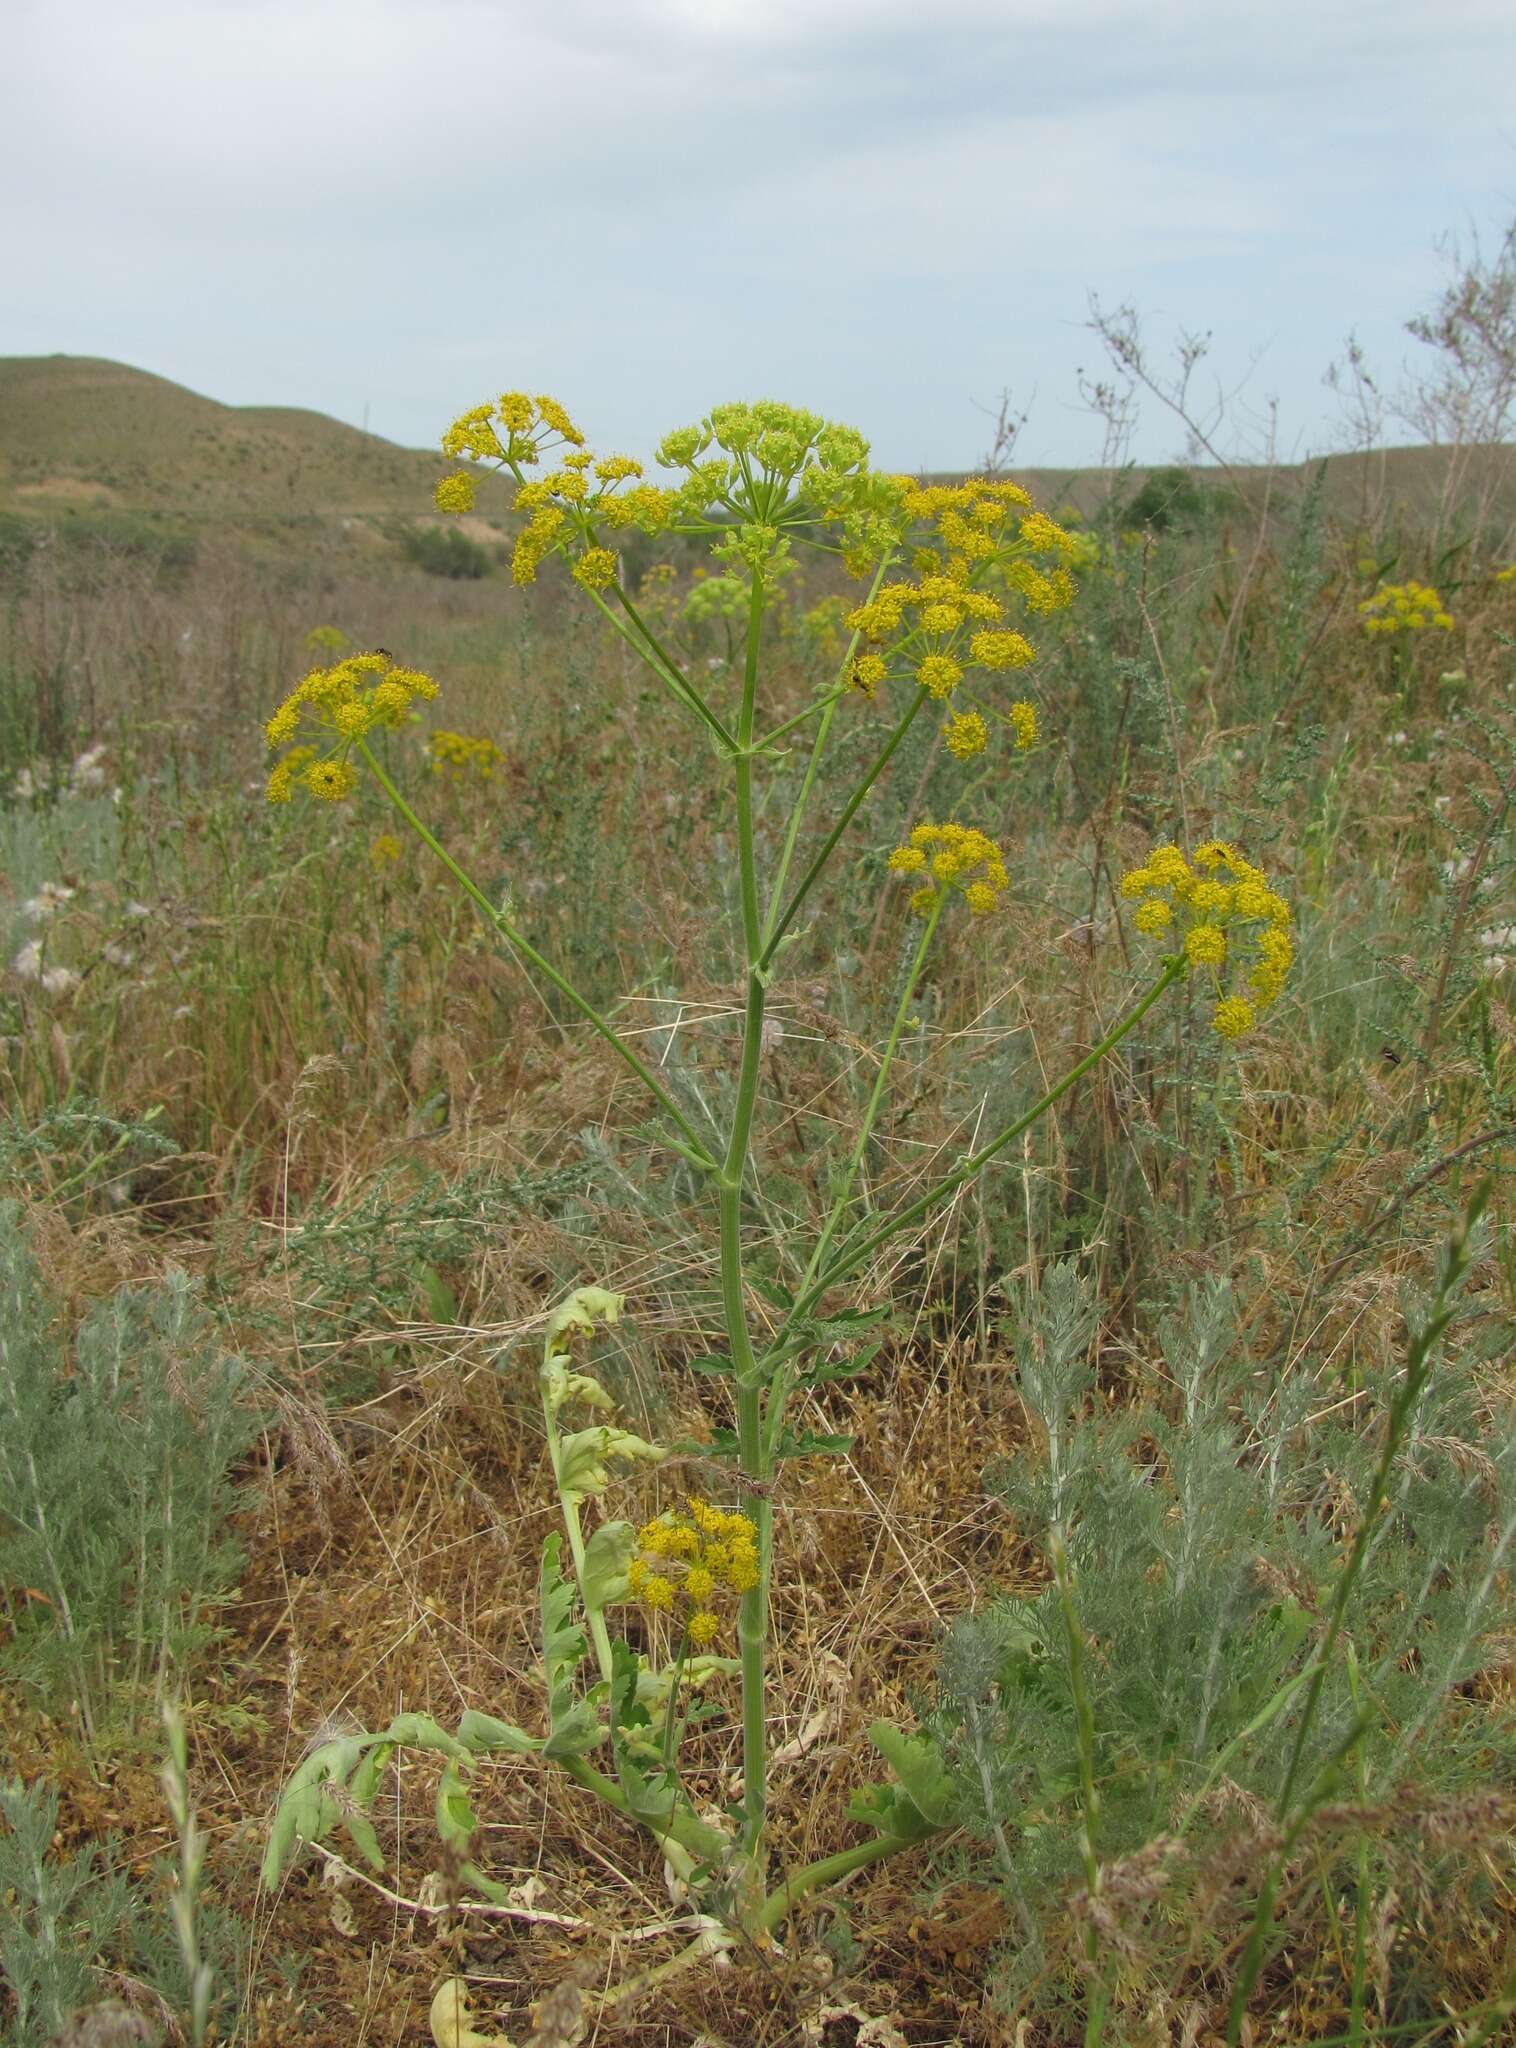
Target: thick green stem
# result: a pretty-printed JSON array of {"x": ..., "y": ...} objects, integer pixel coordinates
[
  {"x": 852, "y": 1257},
  {"x": 696, "y": 1149},
  {"x": 830, "y": 1870},
  {"x": 753, "y": 1459}
]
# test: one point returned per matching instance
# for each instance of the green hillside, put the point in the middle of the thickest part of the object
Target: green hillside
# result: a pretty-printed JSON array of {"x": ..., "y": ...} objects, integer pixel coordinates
[{"x": 79, "y": 432}]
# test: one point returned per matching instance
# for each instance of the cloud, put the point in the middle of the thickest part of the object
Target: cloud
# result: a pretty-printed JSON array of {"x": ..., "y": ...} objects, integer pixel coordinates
[{"x": 672, "y": 201}]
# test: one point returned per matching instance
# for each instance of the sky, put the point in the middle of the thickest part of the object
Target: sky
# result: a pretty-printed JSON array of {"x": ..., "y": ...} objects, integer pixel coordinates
[{"x": 885, "y": 210}]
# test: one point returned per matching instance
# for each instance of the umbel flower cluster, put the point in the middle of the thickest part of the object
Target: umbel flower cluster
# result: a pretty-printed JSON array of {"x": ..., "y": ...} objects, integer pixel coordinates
[
  {"x": 761, "y": 478},
  {"x": 1230, "y": 923},
  {"x": 340, "y": 705},
  {"x": 949, "y": 858},
  {"x": 689, "y": 1562},
  {"x": 1404, "y": 607}
]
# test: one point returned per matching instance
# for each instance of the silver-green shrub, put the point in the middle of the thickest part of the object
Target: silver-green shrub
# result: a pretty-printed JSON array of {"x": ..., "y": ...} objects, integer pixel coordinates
[
  {"x": 117, "y": 1444},
  {"x": 1198, "y": 1542}
]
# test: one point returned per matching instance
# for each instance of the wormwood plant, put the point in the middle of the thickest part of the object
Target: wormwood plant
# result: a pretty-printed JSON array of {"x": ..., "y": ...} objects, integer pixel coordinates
[
  {"x": 71, "y": 1920},
  {"x": 948, "y": 574},
  {"x": 115, "y": 1451},
  {"x": 1253, "y": 1621}
]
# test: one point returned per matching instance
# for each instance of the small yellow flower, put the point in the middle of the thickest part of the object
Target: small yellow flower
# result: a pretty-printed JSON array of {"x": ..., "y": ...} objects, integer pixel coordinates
[
  {"x": 1213, "y": 853},
  {"x": 906, "y": 860},
  {"x": 1233, "y": 1017},
  {"x": 1205, "y": 946},
  {"x": 1167, "y": 865},
  {"x": 462, "y": 759},
  {"x": 552, "y": 415},
  {"x": 455, "y": 493},
  {"x": 965, "y": 735},
  {"x": 742, "y": 1570},
  {"x": 1023, "y": 717},
  {"x": 331, "y": 781},
  {"x": 867, "y": 673},
  {"x": 353, "y": 719},
  {"x": 703, "y": 1628},
  {"x": 699, "y": 1582},
  {"x": 981, "y": 899},
  {"x": 941, "y": 618},
  {"x": 386, "y": 848},
  {"x": 1210, "y": 898},
  {"x": 939, "y": 674},
  {"x": 1153, "y": 916},
  {"x": 596, "y": 569},
  {"x": 657, "y": 1592},
  {"x": 1001, "y": 650}
]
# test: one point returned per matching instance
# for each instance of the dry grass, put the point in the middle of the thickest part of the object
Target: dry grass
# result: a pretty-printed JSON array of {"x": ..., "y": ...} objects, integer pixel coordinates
[{"x": 306, "y": 1022}]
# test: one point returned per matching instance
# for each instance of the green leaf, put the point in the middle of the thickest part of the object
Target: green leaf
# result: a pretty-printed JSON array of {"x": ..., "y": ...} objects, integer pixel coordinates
[
  {"x": 420, "y": 1731},
  {"x": 606, "y": 1557},
  {"x": 363, "y": 1785},
  {"x": 584, "y": 1459},
  {"x": 307, "y": 1811},
  {"x": 456, "y": 1819},
  {"x": 772, "y": 1292},
  {"x": 482, "y": 1732},
  {"x": 456, "y": 1825},
  {"x": 917, "y": 1763},
  {"x": 441, "y": 1301},
  {"x": 889, "y": 1811},
  {"x": 360, "y": 1832},
  {"x": 811, "y": 1443},
  {"x": 717, "y": 1366}
]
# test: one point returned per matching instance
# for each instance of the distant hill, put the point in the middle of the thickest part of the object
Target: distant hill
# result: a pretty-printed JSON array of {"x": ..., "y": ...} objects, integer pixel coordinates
[{"x": 79, "y": 432}]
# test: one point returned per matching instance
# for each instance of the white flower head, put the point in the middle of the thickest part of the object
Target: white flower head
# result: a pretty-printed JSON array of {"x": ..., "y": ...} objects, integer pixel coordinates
[
  {"x": 50, "y": 897},
  {"x": 87, "y": 773}
]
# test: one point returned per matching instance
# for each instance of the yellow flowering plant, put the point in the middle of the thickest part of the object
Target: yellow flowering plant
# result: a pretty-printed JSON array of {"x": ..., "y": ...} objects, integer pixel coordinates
[{"x": 950, "y": 574}]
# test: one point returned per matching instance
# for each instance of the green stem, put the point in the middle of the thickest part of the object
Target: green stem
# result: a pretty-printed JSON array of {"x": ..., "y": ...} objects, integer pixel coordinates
[
  {"x": 852, "y": 1257},
  {"x": 545, "y": 968},
  {"x": 778, "y": 925},
  {"x": 828, "y": 703},
  {"x": 599, "y": 1634},
  {"x": 683, "y": 1859},
  {"x": 778, "y": 1906},
  {"x": 752, "y": 1618},
  {"x": 655, "y": 657},
  {"x": 850, "y": 1173}
]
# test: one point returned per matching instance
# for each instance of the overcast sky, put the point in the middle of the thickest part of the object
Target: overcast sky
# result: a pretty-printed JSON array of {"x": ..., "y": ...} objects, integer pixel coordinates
[{"x": 887, "y": 210}]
